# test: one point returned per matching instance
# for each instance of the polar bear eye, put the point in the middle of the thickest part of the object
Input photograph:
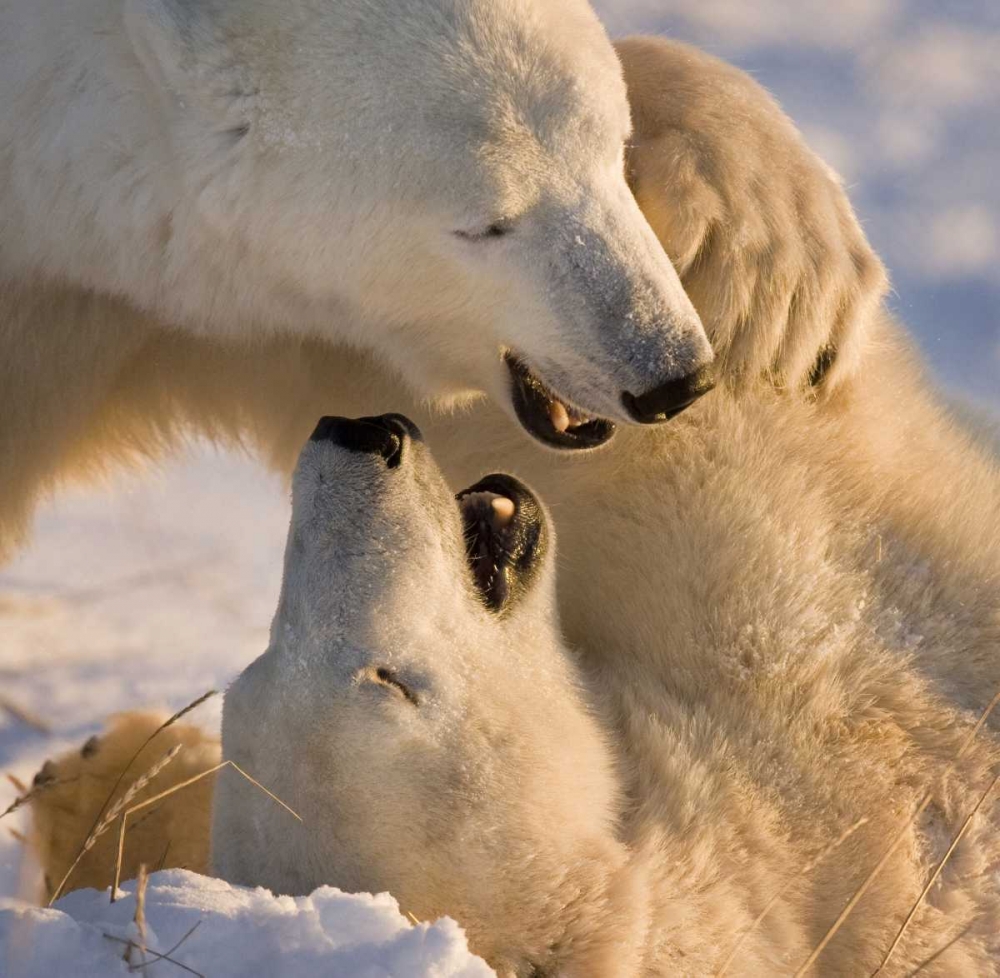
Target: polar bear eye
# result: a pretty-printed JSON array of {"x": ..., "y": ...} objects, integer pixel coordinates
[
  {"x": 498, "y": 229},
  {"x": 381, "y": 676}
]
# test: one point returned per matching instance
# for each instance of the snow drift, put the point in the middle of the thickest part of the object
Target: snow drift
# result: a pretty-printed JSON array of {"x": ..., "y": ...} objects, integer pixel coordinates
[{"x": 238, "y": 932}]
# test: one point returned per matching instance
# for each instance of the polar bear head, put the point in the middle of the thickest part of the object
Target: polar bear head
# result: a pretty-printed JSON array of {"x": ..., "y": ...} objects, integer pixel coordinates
[
  {"x": 440, "y": 181},
  {"x": 418, "y": 709}
]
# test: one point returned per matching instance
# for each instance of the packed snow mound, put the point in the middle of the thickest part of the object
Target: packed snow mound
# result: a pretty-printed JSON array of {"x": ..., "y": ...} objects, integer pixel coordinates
[{"x": 240, "y": 933}]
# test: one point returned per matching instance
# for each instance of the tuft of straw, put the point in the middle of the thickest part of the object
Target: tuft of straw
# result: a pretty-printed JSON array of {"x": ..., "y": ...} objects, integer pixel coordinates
[
  {"x": 97, "y": 820},
  {"x": 29, "y": 795},
  {"x": 937, "y": 872},
  {"x": 166, "y": 794},
  {"x": 17, "y": 803},
  {"x": 894, "y": 845},
  {"x": 808, "y": 868},
  {"x": 112, "y": 814}
]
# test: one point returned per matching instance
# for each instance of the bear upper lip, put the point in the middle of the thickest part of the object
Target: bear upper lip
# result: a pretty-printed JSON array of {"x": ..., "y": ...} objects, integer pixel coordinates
[{"x": 547, "y": 417}]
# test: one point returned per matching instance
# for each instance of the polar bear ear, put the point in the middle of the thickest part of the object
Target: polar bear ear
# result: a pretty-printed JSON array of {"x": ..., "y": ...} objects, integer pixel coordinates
[{"x": 181, "y": 48}]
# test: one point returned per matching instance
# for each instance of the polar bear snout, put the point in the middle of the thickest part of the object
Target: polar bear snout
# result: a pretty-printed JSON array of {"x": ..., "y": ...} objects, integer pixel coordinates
[
  {"x": 669, "y": 399},
  {"x": 384, "y": 435}
]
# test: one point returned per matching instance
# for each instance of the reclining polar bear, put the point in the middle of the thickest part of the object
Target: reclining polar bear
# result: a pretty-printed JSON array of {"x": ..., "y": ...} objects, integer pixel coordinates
[
  {"x": 580, "y": 815},
  {"x": 418, "y": 707}
]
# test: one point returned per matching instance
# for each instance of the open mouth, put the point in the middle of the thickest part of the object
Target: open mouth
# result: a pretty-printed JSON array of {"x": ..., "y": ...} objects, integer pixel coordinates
[
  {"x": 549, "y": 419},
  {"x": 504, "y": 538}
]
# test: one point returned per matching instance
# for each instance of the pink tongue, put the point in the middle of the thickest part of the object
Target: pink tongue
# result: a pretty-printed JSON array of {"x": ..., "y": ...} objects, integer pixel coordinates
[{"x": 559, "y": 416}]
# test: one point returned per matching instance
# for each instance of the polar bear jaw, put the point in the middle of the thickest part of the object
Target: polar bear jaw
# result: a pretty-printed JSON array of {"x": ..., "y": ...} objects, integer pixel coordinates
[{"x": 434, "y": 748}]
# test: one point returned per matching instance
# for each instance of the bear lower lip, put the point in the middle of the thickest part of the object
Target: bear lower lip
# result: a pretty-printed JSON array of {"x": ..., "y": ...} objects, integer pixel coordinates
[{"x": 544, "y": 416}]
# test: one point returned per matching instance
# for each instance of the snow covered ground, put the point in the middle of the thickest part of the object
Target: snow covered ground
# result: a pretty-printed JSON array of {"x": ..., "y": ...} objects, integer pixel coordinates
[
  {"x": 147, "y": 592},
  {"x": 327, "y": 933},
  {"x": 151, "y": 590}
]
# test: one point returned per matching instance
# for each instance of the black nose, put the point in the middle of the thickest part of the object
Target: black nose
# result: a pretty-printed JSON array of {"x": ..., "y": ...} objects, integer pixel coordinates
[
  {"x": 385, "y": 435},
  {"x": 669, "y": 399}
]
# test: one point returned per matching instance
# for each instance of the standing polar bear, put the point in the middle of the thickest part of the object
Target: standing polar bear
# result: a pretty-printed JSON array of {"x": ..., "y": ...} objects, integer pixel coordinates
[
  {"x": 440, "y": 183},
  {"x": 202, "y": 200}
]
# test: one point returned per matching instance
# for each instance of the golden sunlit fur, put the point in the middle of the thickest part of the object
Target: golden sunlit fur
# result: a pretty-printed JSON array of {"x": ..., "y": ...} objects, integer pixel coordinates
[
  {"x": 758, "y": 227},
  {"x": 71, "y": 791},
  {"x": 790, "y": 606}
]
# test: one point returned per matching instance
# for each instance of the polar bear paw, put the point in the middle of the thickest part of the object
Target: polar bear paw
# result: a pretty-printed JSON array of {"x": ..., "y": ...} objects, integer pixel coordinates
[{"x": 759, "y": 227}]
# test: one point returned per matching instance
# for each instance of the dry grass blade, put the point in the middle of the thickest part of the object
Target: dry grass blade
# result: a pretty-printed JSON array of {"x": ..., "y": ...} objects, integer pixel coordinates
[
  {"x": 937, "y": 872},
  {"x": 165, "y": 955},
  {"x": 171, "y": 790},
  {"x": 107, "y": 801},
  {"x": 808, "y": 868},
  {"x": 28, "y": 795},
  {"x": 941, "y": 950},
  {"x": 20, "y": 836},
  {"x": 25, "y": 715},
  {"x": 139, "y": 919},
  {"x": 116, "y": 809},
  {"x": 23, "y": 795},
  {"x": 894, "y": 845},
  {"x": 183, "y": 712},
  {"x": 156, "y": 956},
  {"x": 16, "y": 804},
  {"x": 163, "y": 858}
]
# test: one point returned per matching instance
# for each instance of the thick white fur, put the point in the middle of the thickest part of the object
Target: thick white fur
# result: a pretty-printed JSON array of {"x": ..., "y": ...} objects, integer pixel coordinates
[
  {"x": 486, "y": 791},
  {"x": 795, "y": 612},
  {"x": 241, "y": 171},
  {"x": 790, "y": 619},
  {"x": 758, "y": 227},
  {"x": 233, "y": 345},
  {"x": 791, "y": 612},
  {"x": 793, "y": 609}
]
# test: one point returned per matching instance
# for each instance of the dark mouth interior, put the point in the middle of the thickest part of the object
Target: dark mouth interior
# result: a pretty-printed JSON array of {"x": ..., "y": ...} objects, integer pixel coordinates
[
  {"x": 549, "y": 419},
  {"x": 504, "y": 538}
]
